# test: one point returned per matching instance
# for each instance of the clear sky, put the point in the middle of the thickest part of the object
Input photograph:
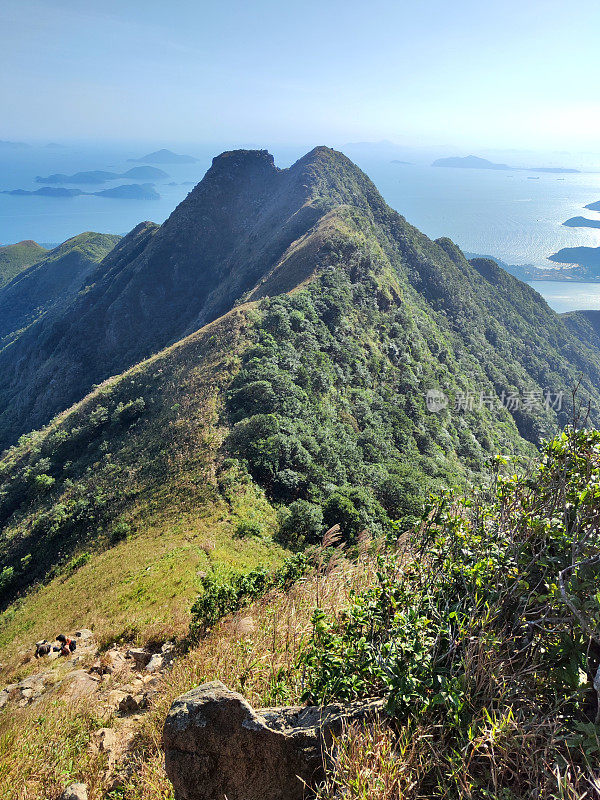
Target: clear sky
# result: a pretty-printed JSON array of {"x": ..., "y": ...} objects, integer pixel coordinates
[{"x": 488, "y": 73}]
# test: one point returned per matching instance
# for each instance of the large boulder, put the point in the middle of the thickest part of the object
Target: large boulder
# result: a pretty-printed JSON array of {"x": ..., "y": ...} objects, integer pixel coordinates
[{"x": 217, "y": 746}]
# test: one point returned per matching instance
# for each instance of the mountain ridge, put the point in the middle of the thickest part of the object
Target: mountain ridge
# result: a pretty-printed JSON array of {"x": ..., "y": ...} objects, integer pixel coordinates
[{"x": 308, "y": 390}]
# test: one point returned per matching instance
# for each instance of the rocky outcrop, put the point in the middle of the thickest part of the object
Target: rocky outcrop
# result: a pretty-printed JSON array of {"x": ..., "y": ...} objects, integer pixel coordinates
[
  {"x": 76, "y": 791},
  {"x": 216, "y": 745}
]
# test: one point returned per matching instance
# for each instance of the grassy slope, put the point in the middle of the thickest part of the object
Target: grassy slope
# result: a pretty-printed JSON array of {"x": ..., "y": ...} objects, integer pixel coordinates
[
  {"x": 155, "y": 474},
  {"x": 50, "y": 282},
  {"x": 143, "y": 455},
  {"x": 14, "y": 258}
]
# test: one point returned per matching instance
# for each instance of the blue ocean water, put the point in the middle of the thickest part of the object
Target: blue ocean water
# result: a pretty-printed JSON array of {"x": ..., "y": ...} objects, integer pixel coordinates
[
  {"x": 563, "y": 296},
  {"x": 48, "y": 219},
  {"x": 501, "y": 213},
  {"x": 493, "y": 212}
]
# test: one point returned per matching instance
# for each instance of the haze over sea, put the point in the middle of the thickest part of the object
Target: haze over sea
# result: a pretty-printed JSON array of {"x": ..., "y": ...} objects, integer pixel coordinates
[{"x": 515, "y": 216}]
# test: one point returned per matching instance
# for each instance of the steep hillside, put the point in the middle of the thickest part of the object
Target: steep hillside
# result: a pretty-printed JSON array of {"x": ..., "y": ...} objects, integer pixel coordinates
[
  {"x": 302, "y": 407},
  {"x": 51, "y": 282},
  {"x": 122, "y": 499},
  {"x": 249, "y": 224},
  {"x": 14, "y": 258},
  {"x": 585, "y": 325}
]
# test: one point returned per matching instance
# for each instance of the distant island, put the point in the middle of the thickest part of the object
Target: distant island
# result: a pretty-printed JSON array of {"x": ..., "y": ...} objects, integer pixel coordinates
[
  {"x": 403, "y": 163},
  {"x": 129, "y": 191},
  {"x": 474, "y": 162},
  {"x": 45, "y": 191},
  {"x": 582, "y": 222},
  {"x": 6, "y": 145},
  {"x": 594, "y": 206},
  {"x": 554, "y": 170},
  {"x": 586, "y": 257},
  {"x": 468, "y": 162},
  {"x": 165, "y": 157},
  {"x": 101, "y": 176}
]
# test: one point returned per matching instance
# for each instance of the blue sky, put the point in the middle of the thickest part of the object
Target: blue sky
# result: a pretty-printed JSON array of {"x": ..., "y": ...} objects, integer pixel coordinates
[{"x": 497, "y": 74}]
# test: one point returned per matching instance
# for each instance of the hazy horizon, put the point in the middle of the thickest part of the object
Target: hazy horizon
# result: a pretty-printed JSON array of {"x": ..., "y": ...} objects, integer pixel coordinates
[{"x": 431, "y": 75}]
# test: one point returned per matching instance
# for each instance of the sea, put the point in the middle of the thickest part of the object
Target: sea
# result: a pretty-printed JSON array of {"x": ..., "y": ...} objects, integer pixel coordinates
[{"x": 515, "y": 216}]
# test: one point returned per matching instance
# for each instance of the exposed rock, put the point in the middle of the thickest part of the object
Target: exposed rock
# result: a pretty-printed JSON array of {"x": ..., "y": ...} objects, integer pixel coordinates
[
  {"x": 101, "y": 668},
  {"x": 131, "y": 704},
  {"x": 76, "y": 791},
  {"x": 105, "y": 741},
  {"x": 156, "y": 663},
  {"x": 80, "y": 684},
  {"x": 114, "y": 698},
  {"x": 114, "y": 658},
  {"x": 140, "y": 656},
  {"x": 217, "y": 746},
  {"x": 84, "y": 635}
]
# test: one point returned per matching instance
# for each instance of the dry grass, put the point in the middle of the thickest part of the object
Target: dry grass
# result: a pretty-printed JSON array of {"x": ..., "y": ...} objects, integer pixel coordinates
[
  {"x": 254, "y": 652},
  {"x": 367, "y": 765},
  {"x": 46, "y": 747},
  {"x": 143, "y": 587}
]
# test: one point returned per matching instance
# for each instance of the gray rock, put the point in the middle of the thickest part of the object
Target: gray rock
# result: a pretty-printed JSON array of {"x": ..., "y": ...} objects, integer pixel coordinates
[
  {"x": 131, "y": 704},
  {"x": 76, "y": 791},
  {"x": 217, "y": 746},
  {"x": 80, "y": 684},
  {"x": 84, "y": 635},
  {"x": 156, "y": 663},
  {"x": 140, "y": 656}
]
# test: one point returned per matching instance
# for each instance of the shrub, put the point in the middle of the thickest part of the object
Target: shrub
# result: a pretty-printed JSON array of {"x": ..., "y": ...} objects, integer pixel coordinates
[
  {"x": 248, "y": 527},
  {"x": 6, "y": 578},
  {"x": 120, "y": 531},
  {"x": 301, "y": 523},
  {"x": 223, "y": 594},
  {"x": 482, "y": 630},
  {"x": 76, "y": 562}
]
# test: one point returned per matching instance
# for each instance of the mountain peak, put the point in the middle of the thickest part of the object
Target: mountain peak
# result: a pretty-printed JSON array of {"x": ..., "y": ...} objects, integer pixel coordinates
[
  {"x": 160, "y": 283},
  {"x": 242, "y": 158}
]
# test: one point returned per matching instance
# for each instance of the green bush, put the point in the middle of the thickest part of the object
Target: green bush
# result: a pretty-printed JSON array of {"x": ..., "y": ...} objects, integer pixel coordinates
[
  {"x": 76, "y": 562},
  {"x": 6, "y": 578},
  {"x": 222, "y": 594},
  {"x": 248, "y": 527},
  {"x": 120, "y": 531},
  {"x": 492, "y": 615},
  {"x": 301, "y": 523}
]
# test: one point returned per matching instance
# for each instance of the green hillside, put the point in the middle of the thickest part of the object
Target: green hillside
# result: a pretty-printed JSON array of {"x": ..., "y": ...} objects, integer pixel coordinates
[
  {"x": 214, "y": 393},
  {"x": 248, "y": 229},
  {"x": 14, "y": 258},
  {"x": 310, "y": 397},
  {"x": 51, "y": 282}
]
